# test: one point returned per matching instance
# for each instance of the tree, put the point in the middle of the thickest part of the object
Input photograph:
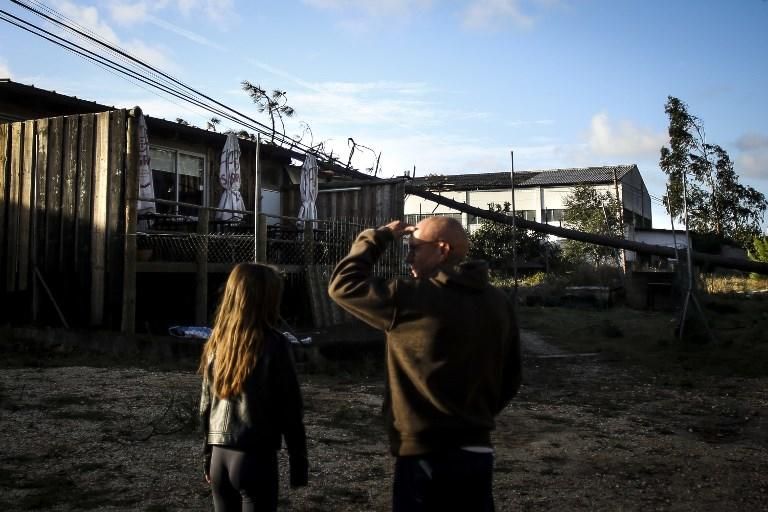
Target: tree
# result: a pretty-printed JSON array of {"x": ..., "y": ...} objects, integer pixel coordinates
[
  {"x": 759, "y": 250},
  {"x": 275, "y": 104},
  {"x": 590, "y": 211},
  {"x": 493, "y": 242},
  {"x": 213, "y": 123},
  {"x": 717, "y": 203}
]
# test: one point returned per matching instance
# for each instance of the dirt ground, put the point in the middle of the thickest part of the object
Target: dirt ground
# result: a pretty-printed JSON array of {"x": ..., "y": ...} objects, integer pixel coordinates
[{"x": 585, "y": 433}]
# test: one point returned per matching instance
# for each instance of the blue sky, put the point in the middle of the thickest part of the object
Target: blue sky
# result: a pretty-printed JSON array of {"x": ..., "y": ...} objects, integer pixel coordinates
[{"x": 445, "y": 86}]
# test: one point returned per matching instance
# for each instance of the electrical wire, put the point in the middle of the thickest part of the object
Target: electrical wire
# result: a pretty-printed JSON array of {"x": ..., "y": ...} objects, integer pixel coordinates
[
  {"x": 101, "y": 61},
  {"x": 157, "y": 79},
  {"x": 111, "y": 47}
]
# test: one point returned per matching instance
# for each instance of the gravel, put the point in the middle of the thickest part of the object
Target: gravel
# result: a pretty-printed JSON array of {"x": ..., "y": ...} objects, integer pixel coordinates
[{"x": 584, "y": 433}]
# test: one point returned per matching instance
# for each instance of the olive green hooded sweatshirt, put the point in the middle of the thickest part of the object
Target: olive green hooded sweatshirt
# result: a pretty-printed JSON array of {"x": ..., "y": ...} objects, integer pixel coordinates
[{"x": 453, "y": 347}]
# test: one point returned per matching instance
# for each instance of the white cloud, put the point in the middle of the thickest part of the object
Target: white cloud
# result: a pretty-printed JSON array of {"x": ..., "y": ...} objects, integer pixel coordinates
[
  {"x": 153, "y": 55},
  {"x": 87, "y": 16},
  {"x": 128, "y": 13},
  {"x": 220, "y": 12},
  {"x": 753, "y": 164},
  {"x": 213, "y": 8},
  {"x": 187, "y": 34},
  {"x": 537, "y": 122},
  {"x": 625, "y": 140},
  {"x": 752, "y": 141},
  {"x": 5, "y": 71},
  {"x": 375, "y": 8},
  {"x": 405, "y": 88},
  {"x": 487, "y": 13},
  {"x": 396, "y": 104}
]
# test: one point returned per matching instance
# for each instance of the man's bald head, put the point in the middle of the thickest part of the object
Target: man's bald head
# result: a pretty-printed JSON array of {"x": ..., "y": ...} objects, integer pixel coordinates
[{"x": 450, "y": 231}]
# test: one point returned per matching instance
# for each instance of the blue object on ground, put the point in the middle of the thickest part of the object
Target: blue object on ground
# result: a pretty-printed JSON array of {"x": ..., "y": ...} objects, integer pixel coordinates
[
  {"x": 299, "y": 341},
  {"x": 181, "y": 331}
]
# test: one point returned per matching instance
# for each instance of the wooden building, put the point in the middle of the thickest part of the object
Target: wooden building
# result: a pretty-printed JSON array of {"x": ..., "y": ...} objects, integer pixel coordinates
[{"x": 74, "y": 251}]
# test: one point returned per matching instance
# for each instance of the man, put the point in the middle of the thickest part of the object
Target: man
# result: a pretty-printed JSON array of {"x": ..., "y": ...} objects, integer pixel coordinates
[{"x": 453, "y": 360}]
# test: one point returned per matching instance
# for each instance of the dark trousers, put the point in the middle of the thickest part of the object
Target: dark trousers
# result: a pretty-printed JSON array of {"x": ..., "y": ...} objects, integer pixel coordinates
[
  {"x": 455, "y": 480},
  {"x": 243, "y": 481}
]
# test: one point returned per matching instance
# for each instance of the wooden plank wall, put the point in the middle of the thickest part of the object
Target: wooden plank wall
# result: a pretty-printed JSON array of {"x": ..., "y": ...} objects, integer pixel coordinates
[
  {"x": 5, "y": 148},
  {"x": 325, "y": 312},
  {"x": 62, "y": 218}
]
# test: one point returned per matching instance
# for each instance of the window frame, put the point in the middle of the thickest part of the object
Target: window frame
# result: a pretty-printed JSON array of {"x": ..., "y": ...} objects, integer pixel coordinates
[{"x": 203, "y": 178}]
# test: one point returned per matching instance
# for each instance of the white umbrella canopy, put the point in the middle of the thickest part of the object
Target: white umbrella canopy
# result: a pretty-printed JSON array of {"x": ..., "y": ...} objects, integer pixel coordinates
[
  {"x": 146, "y": 187},
  {"x": 229, "y": 177},
  {"x": 308, "y": 189}
]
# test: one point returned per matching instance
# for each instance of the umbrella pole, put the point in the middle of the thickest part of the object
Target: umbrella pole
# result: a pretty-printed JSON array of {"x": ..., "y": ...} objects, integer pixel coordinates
[{"x": 256, "y": 198}]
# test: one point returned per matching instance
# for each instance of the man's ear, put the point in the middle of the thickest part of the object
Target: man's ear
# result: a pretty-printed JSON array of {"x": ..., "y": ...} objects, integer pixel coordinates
[{"x": 445, "y": 249}]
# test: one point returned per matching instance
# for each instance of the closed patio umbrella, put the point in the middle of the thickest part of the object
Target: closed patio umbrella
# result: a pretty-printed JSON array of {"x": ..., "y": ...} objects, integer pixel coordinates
[
  {"x": 308, "y": 189},
  {"x": 229, "y": 177},
  {"x": 146, "y": 187}
]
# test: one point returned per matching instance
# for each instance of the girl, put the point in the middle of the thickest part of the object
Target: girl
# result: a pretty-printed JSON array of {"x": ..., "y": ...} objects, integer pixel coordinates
[{"x": 251, "y": 397}]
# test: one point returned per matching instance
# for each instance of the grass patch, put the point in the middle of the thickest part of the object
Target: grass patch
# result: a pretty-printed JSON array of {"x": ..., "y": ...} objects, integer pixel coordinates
[
  {"x": 650, "y": 338},
  {"x": 716, "y": 284}
]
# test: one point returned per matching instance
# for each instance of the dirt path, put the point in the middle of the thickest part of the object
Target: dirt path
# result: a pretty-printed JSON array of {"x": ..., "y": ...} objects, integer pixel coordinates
[
  {"x": 585, "y": 433},
  {"x": 536, "y": 346}
]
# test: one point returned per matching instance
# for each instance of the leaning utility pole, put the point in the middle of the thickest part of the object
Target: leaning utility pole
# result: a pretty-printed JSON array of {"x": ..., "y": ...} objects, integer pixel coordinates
[{"x": 607, "y": 241}]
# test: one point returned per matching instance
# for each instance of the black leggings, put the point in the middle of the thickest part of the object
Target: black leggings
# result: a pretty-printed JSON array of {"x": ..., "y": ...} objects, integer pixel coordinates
[{"x": 243, "y": 481}]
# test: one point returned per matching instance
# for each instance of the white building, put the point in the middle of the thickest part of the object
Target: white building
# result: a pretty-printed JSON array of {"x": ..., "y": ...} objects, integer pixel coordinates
[{"x": 539, "y": 195}]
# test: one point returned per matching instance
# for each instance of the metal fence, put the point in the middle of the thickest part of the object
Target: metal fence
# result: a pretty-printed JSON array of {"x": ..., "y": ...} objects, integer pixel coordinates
[{"x": 289, "y": 243}]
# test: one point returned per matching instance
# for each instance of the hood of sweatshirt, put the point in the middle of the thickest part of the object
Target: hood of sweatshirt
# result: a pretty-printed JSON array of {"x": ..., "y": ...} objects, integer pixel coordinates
[{"x": 469, "y": 274}]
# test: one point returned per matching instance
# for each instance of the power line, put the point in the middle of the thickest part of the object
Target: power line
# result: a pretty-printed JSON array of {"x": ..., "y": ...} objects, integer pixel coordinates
[
  {"x": 161, "y": 81},
  {"x": 96, "y": 58},
  {"x": 115, "y": 50}
]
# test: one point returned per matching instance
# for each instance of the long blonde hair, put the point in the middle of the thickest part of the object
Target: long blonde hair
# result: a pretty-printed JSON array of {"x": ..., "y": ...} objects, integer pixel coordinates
[{"x": 249, "y": 306}]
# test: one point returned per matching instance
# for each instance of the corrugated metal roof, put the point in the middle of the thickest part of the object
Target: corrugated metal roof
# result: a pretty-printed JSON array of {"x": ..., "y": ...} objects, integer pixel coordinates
[
  {"x": 579, "y": 175},
  {"x": 501, "y": 180},
  {"x": 488, "y": 180}
]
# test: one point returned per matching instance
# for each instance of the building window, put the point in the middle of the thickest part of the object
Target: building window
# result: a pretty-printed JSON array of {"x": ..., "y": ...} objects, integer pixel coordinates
[
  {"x": 527, "y": 214},
  {"x": 555, "y": 215},
  {"x": 177, "y": 176},
  {"x": 415, "y": 218}
]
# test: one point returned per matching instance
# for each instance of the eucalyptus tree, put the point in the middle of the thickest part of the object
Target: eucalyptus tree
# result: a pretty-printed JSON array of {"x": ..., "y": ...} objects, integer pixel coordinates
[{"x": 703, "y": 174}]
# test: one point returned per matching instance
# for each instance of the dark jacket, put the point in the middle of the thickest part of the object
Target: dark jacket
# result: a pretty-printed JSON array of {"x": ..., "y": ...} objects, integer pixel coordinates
[
  {"x": 268, "y": 409},
  {"x": 453, "y": 347}
]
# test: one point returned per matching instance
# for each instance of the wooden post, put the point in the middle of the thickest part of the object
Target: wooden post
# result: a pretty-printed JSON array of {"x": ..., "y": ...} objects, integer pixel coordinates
[
  {"x": 38, "y": 216},
  {"x": 13, "y": 205},
  {"x": 201, "y": 275},
  {"x": 68, "y": 196},
  {"x": 99, "y": 225},
  {"x": 53, "y": 244},
  {"x": 4, "y": 157},
  {"x": 25, "y": 219},
  {"x": 128, "y": 316},
  {"x": 115, "y": 218}
]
